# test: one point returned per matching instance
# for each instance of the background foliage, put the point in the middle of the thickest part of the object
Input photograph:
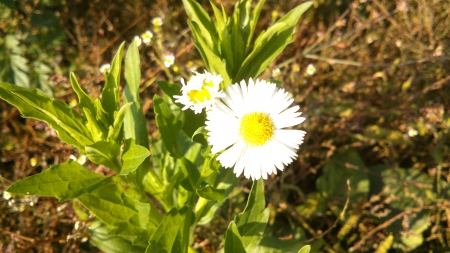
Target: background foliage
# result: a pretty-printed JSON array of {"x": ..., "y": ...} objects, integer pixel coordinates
[{"x": 372, "y": 173}]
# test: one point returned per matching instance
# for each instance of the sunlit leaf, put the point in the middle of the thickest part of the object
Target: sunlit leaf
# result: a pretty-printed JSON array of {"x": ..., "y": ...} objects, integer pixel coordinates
[
  {"x": 233, "y": 240},
  {"x": 133, "y": 156},
  {"x": 64, "y": 181},
  {"x": 105, "y": 153},
  {"x": 164, "y": 237}
]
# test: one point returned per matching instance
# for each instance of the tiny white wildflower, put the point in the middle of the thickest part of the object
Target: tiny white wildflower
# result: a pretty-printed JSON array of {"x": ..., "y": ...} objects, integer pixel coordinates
[
  {"x": 137, "y": 40},
  {"x": 105, "y": 68},
  {"x": 412, "y": 132},
  {"x": 276, "y": 73},
  {"x": 147, "y": 37},
  {"x": 311, "y": 70},
  {"x": 247, "y": 127},
  {"x": 82, "y": 159},
  {"x": 6, "y": 195},
  {"x": 169, "y": 60},
  {"x": 157, "y": 21},
  {"x": 200, "y": 92},
  {"x": 33, "y": 161}
]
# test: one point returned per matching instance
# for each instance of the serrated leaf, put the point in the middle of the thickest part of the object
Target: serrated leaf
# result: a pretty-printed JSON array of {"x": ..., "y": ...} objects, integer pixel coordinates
[
  {"x": 164, "y": 237},
  {"x": 168, "y": 125},
  {"x": 110, "y": 92},
  {"x": 133, "y": 156},
  {"x": 233, "y": 240},
  {"x": 115, "y": 130},
  {"x": 105, "y": 153},
  {"x": 270, "y": 43},
  {"x": 64, "y": 181},
  {"x": 135, "y": 124},
  {"x": 30, "y": 112},
  {"x": 210, "y": 193}
]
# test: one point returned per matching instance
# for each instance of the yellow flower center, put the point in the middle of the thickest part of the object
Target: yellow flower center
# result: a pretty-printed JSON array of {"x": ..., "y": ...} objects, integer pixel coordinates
[
  {"x": 197, "y": 96},
  {"x": 256, "y": 128}
]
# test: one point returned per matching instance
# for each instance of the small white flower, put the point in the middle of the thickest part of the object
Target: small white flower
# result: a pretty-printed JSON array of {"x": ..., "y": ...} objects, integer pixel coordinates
[
  {"x": 81, "y": 160},
  {"x": 6, "y": 195},
  {"x": 412, "y": 132},
  {"x": 200, "y": 91},
  {"x": 311, "y": 70},
  {"x": 137, "y": 40},
  {"x": 276, "y": 73},
  {"x": 157, "y": 21},
  {"x": 247, "y": 125},
  {"x": 169, "y": 60},
  {"x": 105, "y": 68},
  {"x": 147, "y": 37}
]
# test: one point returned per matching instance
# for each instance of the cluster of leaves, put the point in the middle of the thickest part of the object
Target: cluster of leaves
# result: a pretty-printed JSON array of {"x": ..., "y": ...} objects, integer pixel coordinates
[
  {"x": 27, "y": 36},
  {"x": 186, "y": 182}
]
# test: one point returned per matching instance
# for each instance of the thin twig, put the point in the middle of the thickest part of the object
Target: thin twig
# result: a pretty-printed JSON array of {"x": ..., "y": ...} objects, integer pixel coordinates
[{"x": 387, "y": 224}]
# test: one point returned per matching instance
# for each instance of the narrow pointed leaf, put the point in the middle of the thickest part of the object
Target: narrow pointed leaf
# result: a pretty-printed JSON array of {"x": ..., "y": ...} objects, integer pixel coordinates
[
  {"x": 270, "y": 43},
  {"x": 115, "y": 130},
  {"x": 64, "y": 181},
  {"x": 64, "y": 115},
  {"x": 133, "y": 156},
  {"x": 98, "y": 134},
  {"x": 164, "y": 237},
  {"x": 207, "y": 29},
  {"x": 233, "y": 240},
  {"x": 28, "y": 111},
  {"x": 305, "y": 249},
  {"x": 110, "y": 92},
  {"x": 135, "y": 124},
  {"x": 168, "y": 126},
  {"x": 84, "y": 101}
]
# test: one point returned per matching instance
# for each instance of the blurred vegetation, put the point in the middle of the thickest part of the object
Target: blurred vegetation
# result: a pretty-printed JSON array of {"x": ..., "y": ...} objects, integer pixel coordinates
[{"x": 373, "y": 173}]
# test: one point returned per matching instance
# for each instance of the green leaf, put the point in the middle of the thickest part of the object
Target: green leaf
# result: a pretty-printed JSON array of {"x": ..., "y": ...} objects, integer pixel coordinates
[
  {"x": 168, "y": 126},
  {"x": 84, "y": 101},
  {"x": 111, "y": 205},
  {"x": 133, "y": 156},
  {"x": 206, "y": 27},
  {"x": 253, "y": 221},
  {"x": 191, "y": 172},
  {"x": 30, "y": 112},
  {"x": 305, "y": 249},
  {"x": 164, "y": 237},
  {"x": 64, "y": 181},
  {"x": 105, "y": 153},
  {"x": 210, "y": 193},
  {"x": 101, "y": 237},
  {"x": 115, "y": 130},
  {"x": 135, "y": 124},
  {"x": 170, "y": 89},
  {"x": 64, "y": 115},
  {"x": 214, "y": 63},
  {"x": 110, "y": 92},
  {"x": 98, "y": 133},
  {"x": 270, "y": 43},
  {"x": 254, "y": 22},
  {"x": 233, "y": 240}
]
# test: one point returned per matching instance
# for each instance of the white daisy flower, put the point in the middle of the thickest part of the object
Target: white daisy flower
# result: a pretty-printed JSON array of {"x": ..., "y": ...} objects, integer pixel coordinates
[
  {"x": 138, "y": 40},
  {"x": 248, "y": 127},
  {"x": 147, "y": 37},
  {"x": 169, "y": 60},
  {"x": 200, "y": 92},
  {"x": 81, "y": 160},
  {"x": 105, "y": 68},
  {"x": 311, "y": 70}
]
